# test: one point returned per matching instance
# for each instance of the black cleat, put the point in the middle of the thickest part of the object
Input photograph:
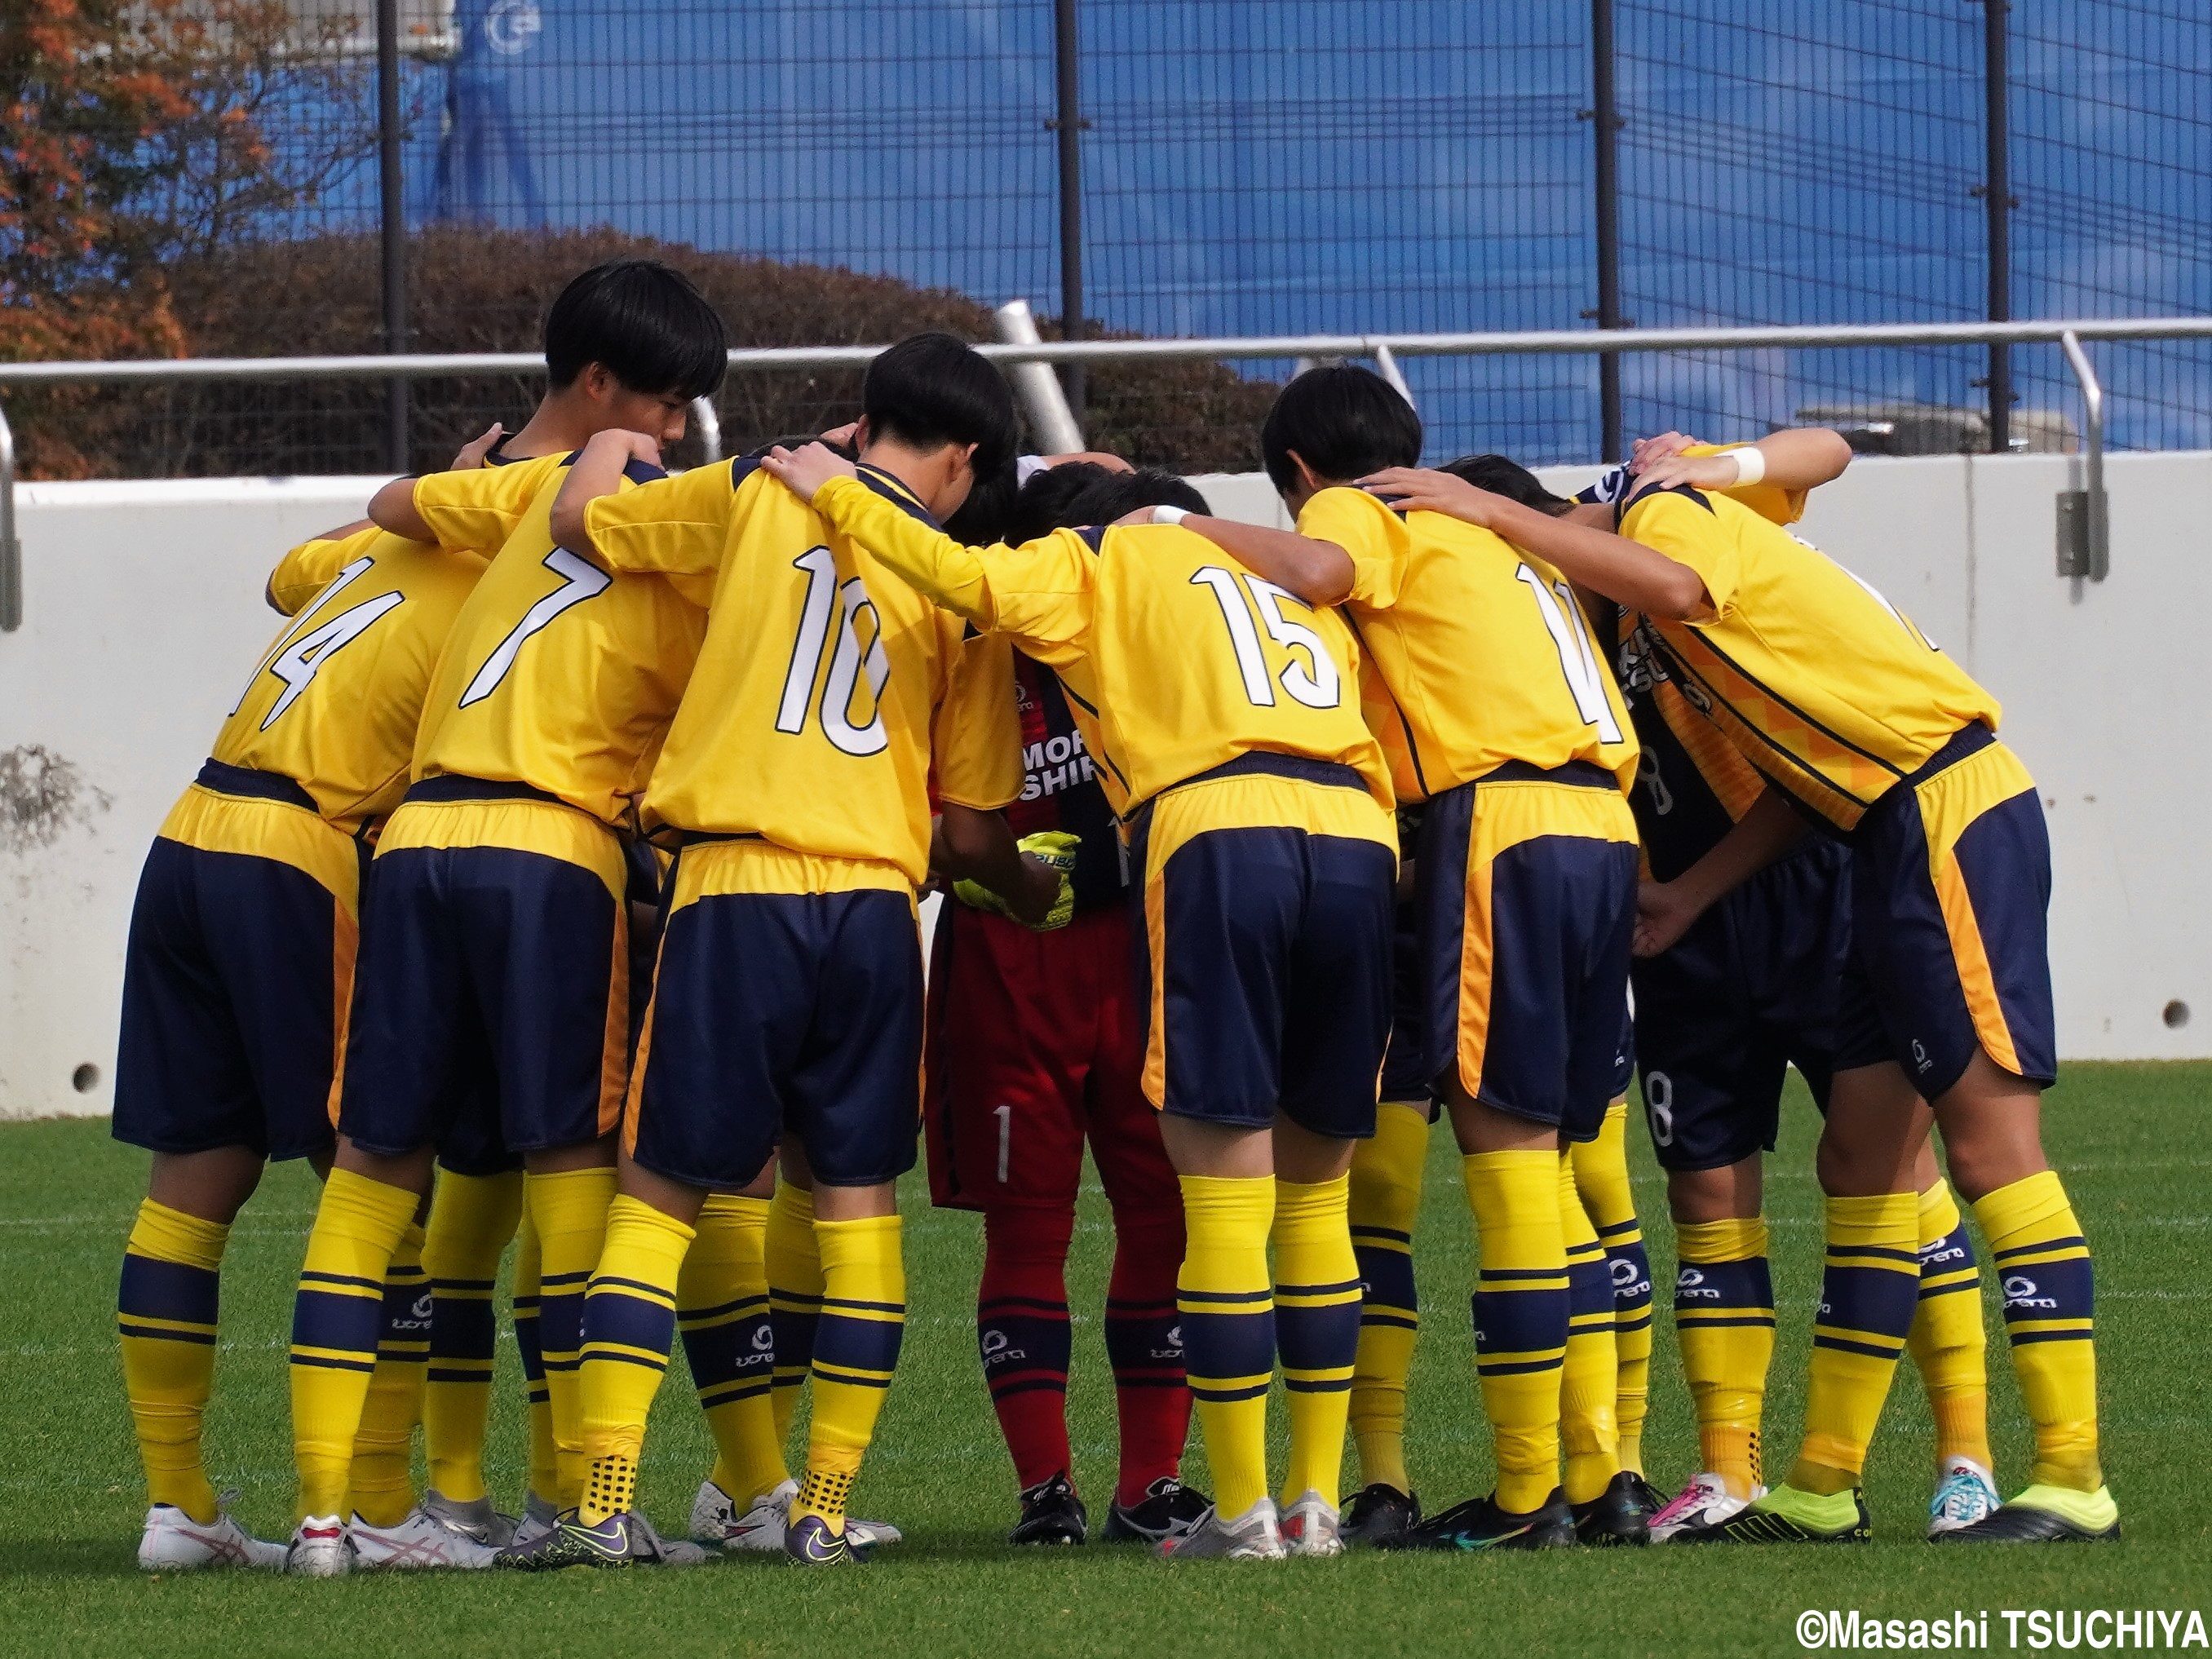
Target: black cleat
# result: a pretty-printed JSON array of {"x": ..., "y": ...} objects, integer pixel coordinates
[
  {"x": 1787, "y": 1516},
  {"x": 2045, "y": 1515},
  {"x": 1168, "y": 1510},
  {"x": 1379, "y": 1514},
  {"x": 1649, "y": 1500},
  {"x": 1480, "y": 1524},
  {"x": 1051, "y": 1514},
  {"x": 1615, "y": 1516}
]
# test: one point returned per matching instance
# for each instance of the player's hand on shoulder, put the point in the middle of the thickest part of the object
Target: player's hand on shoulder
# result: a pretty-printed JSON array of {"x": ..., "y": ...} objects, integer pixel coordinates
[
  {"x": 470, "y": 455},
  {"x": 806, "y": 469},
  {"x": 1418, "y": 488},
  {"x": 1650, "y": 451},
  {"x": 1698, "y": 472}
]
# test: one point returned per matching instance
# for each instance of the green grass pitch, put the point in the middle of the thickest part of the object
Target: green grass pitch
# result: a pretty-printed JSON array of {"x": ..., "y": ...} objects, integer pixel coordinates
[{"x": 2131, "y": 1140}]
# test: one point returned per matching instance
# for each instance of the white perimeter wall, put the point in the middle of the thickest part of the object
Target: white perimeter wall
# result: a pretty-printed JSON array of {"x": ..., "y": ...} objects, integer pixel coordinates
[{"x": 144, "y": 613}]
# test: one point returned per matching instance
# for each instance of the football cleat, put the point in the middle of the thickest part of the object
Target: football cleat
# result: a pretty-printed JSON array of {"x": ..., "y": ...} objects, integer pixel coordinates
[
  {"x": 716, "y": 1522},
  {"x": 421, "y": 1540},
  {"x": 1787, "y": 1515},
  {"x": 538, "y": 1517},
  {"x": 173, "y": 1542},
  {"x": 1615, "y": 1516},
  {"x": 1255, "y": 1535},
  {"x": 477, "y": 1520},
  {"x": 1704, "y": 1503},
  {"x": 1310, "y": 1526},
  {"x": 810, "y": 1542},
  {"x": 1168, "y": 1510},
  {"x": 2047, "y": 1514},
  {"x": 626, "y": 1539},
  {"x": 1051, "y": 1514},
  {"x": 1965, "y": 1493},
  {"x": 1480, "y": 1524},
  {"x": 1379, "y": 1513},
  {"x": 319, "y": 1548},
  {"x": 1649, "y": 1498}
]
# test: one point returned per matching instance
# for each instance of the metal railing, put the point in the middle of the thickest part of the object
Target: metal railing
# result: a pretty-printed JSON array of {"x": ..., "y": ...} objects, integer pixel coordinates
[{"x": 2092, "y": 554}]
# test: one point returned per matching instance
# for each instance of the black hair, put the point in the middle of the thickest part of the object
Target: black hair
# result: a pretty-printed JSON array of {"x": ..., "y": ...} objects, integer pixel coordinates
[
  {"x": 1041, "y": 505},
  {"x": 644, "y": 322},
  {"x": 1509, "y": 478},
  {"x": 1116, "y": 494},
  {"x": 984, "y": 517},
  {"x": 930, "y": 389},
  {"x": 1345, "y": 421}
]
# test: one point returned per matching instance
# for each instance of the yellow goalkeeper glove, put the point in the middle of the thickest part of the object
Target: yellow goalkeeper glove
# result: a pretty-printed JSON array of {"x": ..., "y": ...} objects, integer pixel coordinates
[{"x": 1055, "y": 847}]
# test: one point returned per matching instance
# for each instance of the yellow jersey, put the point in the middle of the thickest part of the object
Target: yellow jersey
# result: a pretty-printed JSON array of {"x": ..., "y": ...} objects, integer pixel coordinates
[
  {"x": 1177, "y": 659},
  {"x": 335, "y": 702},
  {"x": 827, "y": 688},
  {"x": 557, "y": 675},
  {"x": 1825, "y": 686},
  {"x": 1480, "y": 653}
]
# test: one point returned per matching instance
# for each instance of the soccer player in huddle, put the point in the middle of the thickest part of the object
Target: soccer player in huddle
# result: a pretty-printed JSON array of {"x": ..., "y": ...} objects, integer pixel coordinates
[
  {"x": 1222, "y": 712},
  {"x": 1496, "y": 710},
  {"x": 1752, "y": 986},
  {"x": 1035, "y": 1048},
  {"x": 494, "y": 968},
  {"x": 1847, "y": 709},
  {"x": 240, "y": 960},
  {"x": 787, "y": 1005}
]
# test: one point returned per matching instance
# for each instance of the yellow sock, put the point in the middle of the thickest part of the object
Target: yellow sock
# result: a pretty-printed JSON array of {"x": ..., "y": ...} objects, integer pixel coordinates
[
  {"x": 794, "y": 1295},
  {"x": 1588, "y": 1430},
  {"x": 1948, "y": 1343},
  {"x": 1225, "y": 1299},
  {"x": 721, "y": 1306},
  {"x": 166, "y": 1312},
  {"x": 1724, "y": 1326},
  {"x": 471, "y": 1219},
  {"x": 2041, "y": 1260},
  {"x": 337, "y": 1320},
  {"x": 1869, "y": 1290},
  {"x": 1521, "y": 1315},
  {"x": 1316, "y": 1329},
  {"x": 629, "y": 1326},
  {"x": 1601, "y": 1178},
  {"x": 1386, "y": 1200},
  {"x": 569, "y": 1209},
  {"x": 856, "y": 1348},
  {"x": 545, "y": 1472},
  {"x": 382, "y": 1488}
]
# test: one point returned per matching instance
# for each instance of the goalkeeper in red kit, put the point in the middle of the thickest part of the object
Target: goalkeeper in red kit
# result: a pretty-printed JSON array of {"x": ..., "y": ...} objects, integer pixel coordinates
[{"x": 1033, "y": 1048}]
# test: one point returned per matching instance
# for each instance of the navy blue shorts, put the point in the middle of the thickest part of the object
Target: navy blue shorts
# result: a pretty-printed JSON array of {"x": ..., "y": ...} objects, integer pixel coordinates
[
  {"x": 1752, "y": 988},
  {"x": 1525, "y": 882},
  {"x": 1408, "y": 1079},
  {"x": 776, "y": 1012},
  {"x": 1263, "y": 938},
  {"x": 237, "y": 965},
  {"x": 491, "y": 1006},
  {"x": 1950, "y": 939}
]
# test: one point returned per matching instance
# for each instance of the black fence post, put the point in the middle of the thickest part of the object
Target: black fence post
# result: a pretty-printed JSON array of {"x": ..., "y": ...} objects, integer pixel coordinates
[
  {"x": 391, "y": 223},
  {"x": 1068, "y": 124},
  {"x": 1605, "y": 125},
  {"x": 1996, "y": 192}
]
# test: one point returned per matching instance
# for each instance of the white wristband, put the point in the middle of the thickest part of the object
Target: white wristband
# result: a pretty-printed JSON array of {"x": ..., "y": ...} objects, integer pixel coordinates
[
  {"x": 1169, "y": 514},
  {"x": 1750, "y": 463}
]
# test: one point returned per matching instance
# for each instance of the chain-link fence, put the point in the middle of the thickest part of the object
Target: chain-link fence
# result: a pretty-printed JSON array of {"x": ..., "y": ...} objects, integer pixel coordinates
[{"x": 839, "y": 174}]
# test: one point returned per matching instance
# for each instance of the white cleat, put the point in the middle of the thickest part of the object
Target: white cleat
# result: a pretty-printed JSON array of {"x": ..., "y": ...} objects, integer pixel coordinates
[
  {"x": 668, "y": 1551},
  {"x": 1965, "y": 1493},
  {"x": 538, "y": 1517},
  {"x": 1255, "y": 1535},
  {"x": 1705, "y": 1502},
  {"x": 420, "y": 1542},
  {"x": 478, "y": 1520},
  {"x": 716, "y": 1521},
  {"x": 319, "y": 1549},
  {"x": 174, "y": 1542},
  {"x": 1309, "y": 1527}
]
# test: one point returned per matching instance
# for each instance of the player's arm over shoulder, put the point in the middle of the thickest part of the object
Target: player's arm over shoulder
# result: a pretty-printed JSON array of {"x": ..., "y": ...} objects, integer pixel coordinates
[
  {"x": 315, "y": 564},
  {"x": 636, "y": 517},
  {"x": 1682, "y": 524}
]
